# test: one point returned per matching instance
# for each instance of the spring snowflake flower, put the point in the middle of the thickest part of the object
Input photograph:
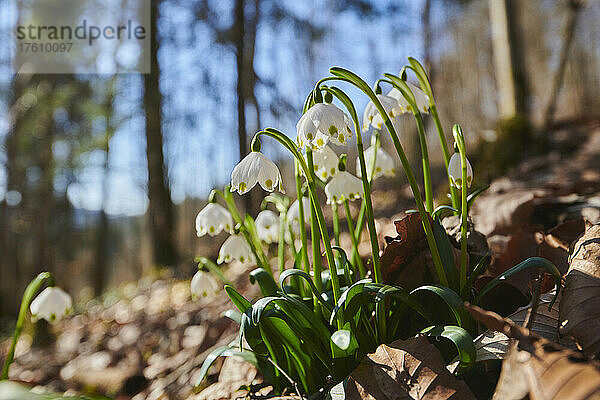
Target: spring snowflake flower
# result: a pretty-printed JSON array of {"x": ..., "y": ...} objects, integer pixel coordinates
[
  {"x": 455, "y": 171},
  {"x": 371, "y": 116},
  {"x": 325, "y": 162},
  {"x": 421, "y": 99},
  {"x": 203, "y": 284},
  {"x": 267, "y": 226},
  {"x": 343, "y": 186},
  {"x": 213, "y": 219},
  {"x": 235, "y": 248},
  {"x": 320, "y": 124},
  {"x": 51, "y": 304},
  {"x": 342, "y": 339},
  {"x": 293, "y": 214},
  {"x": 384, "y": 164},
  {"x": 255, "y": 168}
]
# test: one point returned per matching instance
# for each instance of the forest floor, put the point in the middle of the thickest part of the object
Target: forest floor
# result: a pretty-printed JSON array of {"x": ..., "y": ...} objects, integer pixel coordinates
[{"x": 148, "y": 339}]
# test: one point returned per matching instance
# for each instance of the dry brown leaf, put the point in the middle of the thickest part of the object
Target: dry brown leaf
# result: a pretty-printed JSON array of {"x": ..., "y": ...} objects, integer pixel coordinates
[
  {"x": 539, "y": 369},
  {"x": 492, "y": 345},
  {"x": 406, "y": 369},
  {"x": 405, "y": 251},
  {"x": 580, "y": 304}
]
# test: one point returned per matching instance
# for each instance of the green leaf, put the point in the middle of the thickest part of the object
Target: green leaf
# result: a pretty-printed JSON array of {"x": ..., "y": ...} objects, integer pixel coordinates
[
  {"x": 446, "y": 304},
  {"x": 460, "y": 338},
  {"x": 346, "y": 297},
  {"x": 437, "y": 213},
  {"x": 471, "y": 197},
  {"x": 532, "y": 262},
  {"x": 224, "y": 351},
  {"x": 265, "y": 281},
  {"x": 238, "y": 300},
  {"x": 446, "y": 254},
  {"x": 480, "y": 268},
  {"x": 421, "y": 75},
  {"x": 297, "y": 272}
]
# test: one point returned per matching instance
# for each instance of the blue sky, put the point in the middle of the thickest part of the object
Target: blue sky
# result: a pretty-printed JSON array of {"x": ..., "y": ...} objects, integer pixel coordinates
[{"x": 200, "y": 131}]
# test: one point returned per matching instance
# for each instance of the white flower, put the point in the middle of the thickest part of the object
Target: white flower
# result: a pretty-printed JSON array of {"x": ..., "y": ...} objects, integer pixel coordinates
[
  {"x": 267, "y": 226},
  {"x": 203, "y": 284},
  {"x": 455, "y": 171},
  {"x": 51, "y": 304},
  {"x": 325, "y": 162},
  {"x": 421, "y": 99},
  {"x": 255, "y": 168},
  {"x": 342, "y": 338},
  {"x": 384, "y": 164},
  {"x": 343, "y": 186},
  {"x": 371, "y": 115},
  {"x": 235, "y": 248},
  {"x": 213, "y": 219},
  {"x": 321, "y": 123},
  {"x": 293, "y": 214}
]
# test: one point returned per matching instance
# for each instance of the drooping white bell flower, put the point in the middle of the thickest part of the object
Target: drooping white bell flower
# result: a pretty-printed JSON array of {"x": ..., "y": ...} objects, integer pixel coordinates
[
  {"x": 51, "y": 304},
  {"x": 421, "y": 99},
  {"x": 455, "y": 171},
  {"x": 267, "y": 226},
  {"x": 235, "y": 248},
  {"x": 342, "y": 338},
  {"x": 213, "y": 219},
  {"x": 255, "y": 168},
  {"x": 343, "y": 186},
  {"x": 320, "y": 124},
  {"x": 325, "y": 162},
  {"x": 293, "y": 214},
  {"x": 371, "y": 116},
  {"x": 384, "y": 164},
  {"x": 204, "y": 284}
]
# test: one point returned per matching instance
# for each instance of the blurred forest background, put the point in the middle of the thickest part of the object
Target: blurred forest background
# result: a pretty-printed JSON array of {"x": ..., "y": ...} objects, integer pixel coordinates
[{"x": 101, "y": 176}]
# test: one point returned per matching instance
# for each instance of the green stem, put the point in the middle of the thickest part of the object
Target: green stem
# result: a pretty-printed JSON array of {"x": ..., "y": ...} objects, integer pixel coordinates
[
  {"x": 425, "y": 160},
  {"x": 281, "y": 244},
  {"x": 28, "y": 296},
  {"x": 336, "y": 229},
  {"x": 355, "y": 254},
  {"x": 365, "y": 181},
  {"x": 336, "y": 223},
  {"x": 358, "y": 82},
  {"x": 335, "y": 285},
  {"x": 460, "y": 141},
  {"x": 463, "y": 228},
  {"x": 423, "y": 78},
  {"x": 360, "y": 221},
  {"x": 301, "y": 211},
  {"x": 316, "y": 209},
  {"x": 444, "y": 146},
  {"x": 316, "y": 254}
]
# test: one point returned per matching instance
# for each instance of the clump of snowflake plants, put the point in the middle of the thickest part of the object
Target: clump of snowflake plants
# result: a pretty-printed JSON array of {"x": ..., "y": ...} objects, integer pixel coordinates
[{"x": 317, "y": 319}]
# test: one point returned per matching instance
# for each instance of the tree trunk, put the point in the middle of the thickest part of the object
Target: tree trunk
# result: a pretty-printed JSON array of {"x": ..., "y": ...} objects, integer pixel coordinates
[
  {"x": 426, "y": 23},
  {"x": 160, "y": 209},
  {"x": 244, "y": 43},
  {"x": 575, "y": 7},
  {"x": 511, "y": 79},
  {"x": 103, "y": 233},
  {"x": 9, "y": 262}
]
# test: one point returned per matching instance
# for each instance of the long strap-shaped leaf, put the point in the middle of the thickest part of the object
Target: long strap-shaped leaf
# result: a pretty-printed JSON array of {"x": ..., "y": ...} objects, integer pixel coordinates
[
  {"x": 532, "y": 262},
  {"x": 460, "y": 338}
]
